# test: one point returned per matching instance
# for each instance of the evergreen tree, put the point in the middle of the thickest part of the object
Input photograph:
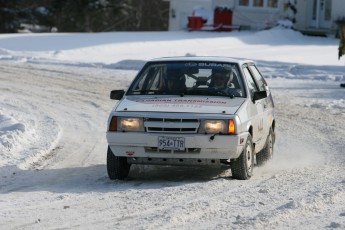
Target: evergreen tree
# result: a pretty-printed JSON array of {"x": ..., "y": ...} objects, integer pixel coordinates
[
  {"x": 84, "y": 15},
  {"x": 16, "y": 12},
  {"x": 8, "y": 16}
]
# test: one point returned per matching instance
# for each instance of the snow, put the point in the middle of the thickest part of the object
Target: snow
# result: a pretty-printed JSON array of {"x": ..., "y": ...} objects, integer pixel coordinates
[
  {"x": 205, "y": 14},
  {"x": 54, "y": 104}
]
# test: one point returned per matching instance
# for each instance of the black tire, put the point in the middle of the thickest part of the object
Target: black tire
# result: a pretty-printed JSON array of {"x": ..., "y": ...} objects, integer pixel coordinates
[
  {"x": 242, "y": 167},
  {"x": 117, "y": 167},
  {"x": 266, "y": 153}
]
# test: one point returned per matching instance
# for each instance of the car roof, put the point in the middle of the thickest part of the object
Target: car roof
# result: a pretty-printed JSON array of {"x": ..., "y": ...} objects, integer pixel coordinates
[{"x": 203, "y": 58}]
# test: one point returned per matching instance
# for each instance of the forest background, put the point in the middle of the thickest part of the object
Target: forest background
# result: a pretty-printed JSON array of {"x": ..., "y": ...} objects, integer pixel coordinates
[{"x": 83, "y": 15}]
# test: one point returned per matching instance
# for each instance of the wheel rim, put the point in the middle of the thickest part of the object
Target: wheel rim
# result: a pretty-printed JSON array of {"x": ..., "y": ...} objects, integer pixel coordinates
[{"x": 249, "y": 158}]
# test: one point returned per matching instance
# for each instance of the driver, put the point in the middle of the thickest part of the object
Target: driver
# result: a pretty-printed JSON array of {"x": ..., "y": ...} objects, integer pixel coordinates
[
  {"x": 175, "y": 81},
  {"x": 220, "y": 78},
  {"x": 221, "y": 83}
]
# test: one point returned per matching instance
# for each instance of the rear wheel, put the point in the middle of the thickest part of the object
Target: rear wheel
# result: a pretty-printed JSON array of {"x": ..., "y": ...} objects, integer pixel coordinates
[
  {"x": 117, "y": 167},
  {"x": 242, "y": 167},
  {"x": 266, "y": 153}
]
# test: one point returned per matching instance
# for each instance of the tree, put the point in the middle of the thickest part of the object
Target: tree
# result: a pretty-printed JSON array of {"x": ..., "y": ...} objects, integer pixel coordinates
[
  {"x": 85, "y": 15},
  {"x": 8, "y": 16},
  {"x": 16, "y": 12},
  {"x": 140, "y": 15}
]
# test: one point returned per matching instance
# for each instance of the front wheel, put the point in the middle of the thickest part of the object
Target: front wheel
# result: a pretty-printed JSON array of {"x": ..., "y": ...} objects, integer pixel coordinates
[
  {"x": 242, "y": 167},
  {"x": 117, "y": 167}
]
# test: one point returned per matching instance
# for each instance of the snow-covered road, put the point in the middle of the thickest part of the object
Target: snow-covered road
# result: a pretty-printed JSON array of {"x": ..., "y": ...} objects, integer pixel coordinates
[{"x": 62, "y": 111}]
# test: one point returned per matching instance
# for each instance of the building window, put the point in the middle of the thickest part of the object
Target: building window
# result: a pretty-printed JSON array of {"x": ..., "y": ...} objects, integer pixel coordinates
[
  {"x": 314, "y": 9},
  {"x": 244, "y": 3},
  {"x": 272, "y": 3},
  {"x": 328, "y": 10},
  {"x": 259, "y": 3}
]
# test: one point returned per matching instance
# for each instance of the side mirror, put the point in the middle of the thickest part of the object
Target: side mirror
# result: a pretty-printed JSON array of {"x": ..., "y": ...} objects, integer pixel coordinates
[
  {"x": 259, "y": 95},
  {"x": 117, "y": 94}
]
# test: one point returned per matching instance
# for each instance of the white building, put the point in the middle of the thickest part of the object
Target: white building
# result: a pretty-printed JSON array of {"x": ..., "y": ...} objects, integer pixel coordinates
[{"x": 310, "y": 16}]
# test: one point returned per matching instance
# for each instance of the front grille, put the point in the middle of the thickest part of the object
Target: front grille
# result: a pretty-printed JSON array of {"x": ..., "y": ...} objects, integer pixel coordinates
[{"x": 171, "y": 125}]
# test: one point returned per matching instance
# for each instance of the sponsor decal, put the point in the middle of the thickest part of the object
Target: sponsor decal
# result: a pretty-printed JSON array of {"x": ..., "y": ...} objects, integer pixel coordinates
[
  {"x": 191, "y": 106},
  {"x": 182, "y": 101},
  {"x": 191, "y": 64},
  {"x": 214, "y": 65},
  {"x": 208, "y": 65}
]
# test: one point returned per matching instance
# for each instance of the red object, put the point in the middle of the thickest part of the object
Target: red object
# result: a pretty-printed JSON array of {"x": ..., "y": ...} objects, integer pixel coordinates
[
  {"x": 195, "y": 22},
  {"x": 222, "y": 19}
]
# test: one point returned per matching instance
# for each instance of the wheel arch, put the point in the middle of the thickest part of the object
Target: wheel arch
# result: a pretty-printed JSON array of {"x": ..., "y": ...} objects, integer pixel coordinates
[
  {"x": 250, "y": 130},
  {"x": 273, "y": 126}
]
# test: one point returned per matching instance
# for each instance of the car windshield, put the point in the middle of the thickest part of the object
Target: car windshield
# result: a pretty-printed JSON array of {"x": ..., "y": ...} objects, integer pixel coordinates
[{"x": 189, "y": 78}]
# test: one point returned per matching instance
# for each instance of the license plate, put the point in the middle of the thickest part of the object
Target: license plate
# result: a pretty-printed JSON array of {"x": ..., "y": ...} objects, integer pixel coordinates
[{"x": 171, "y": 143}]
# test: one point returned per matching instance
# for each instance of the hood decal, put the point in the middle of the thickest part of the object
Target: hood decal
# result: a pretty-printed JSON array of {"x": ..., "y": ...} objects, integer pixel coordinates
[
  {"x": 187, "y": 101},
  {"x": 181, "y": 104}
]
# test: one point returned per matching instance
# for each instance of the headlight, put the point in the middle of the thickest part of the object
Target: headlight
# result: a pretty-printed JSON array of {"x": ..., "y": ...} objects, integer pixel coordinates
[
  {"x": 213, "y": 126},
  {"x": 218, "y": 126},
  {"x": 126, "y": 124},
  {"x": 131, "y": 124}
]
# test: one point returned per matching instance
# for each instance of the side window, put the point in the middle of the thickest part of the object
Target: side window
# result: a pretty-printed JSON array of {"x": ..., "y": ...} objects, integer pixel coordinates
[
  {"x": 140, "y": 82},
  {"x": 149, "y": 81},
  {"x": 156, "y": 80},
  {"x": 258, "y": 77},
  {"x": 250, "y": 81}
]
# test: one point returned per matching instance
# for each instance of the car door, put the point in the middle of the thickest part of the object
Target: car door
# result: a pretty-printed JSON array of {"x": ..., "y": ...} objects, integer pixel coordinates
[
  {"x": 255, "y": 109},
  {"x": 266, "y": 102}
]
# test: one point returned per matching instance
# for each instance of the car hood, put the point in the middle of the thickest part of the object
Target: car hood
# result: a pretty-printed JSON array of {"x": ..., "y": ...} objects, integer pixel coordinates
[{"x": 184, "y": 104}]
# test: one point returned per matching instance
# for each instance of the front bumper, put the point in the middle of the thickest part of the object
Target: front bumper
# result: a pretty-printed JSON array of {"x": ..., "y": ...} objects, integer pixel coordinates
[{"x": 142, "y": 148}]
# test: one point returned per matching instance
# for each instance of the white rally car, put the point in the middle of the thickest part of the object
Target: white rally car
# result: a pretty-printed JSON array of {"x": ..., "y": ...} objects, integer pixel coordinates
[{"x": 192, "y": 111}]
